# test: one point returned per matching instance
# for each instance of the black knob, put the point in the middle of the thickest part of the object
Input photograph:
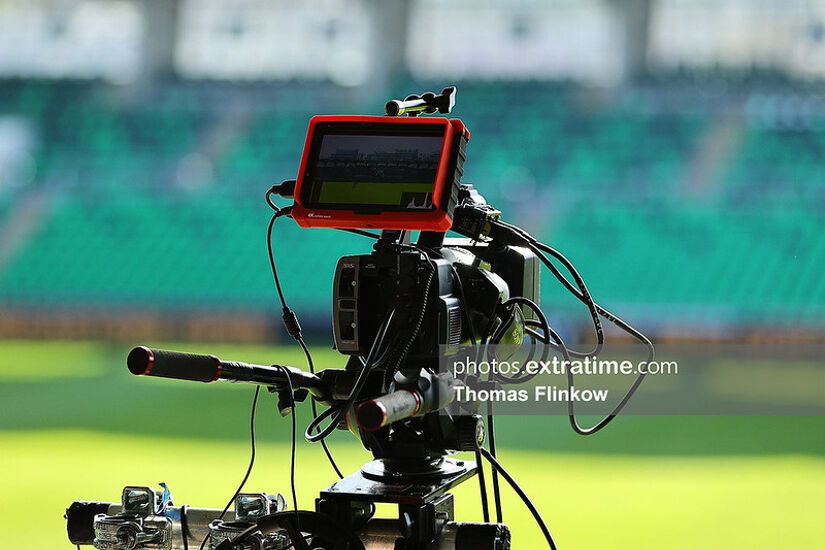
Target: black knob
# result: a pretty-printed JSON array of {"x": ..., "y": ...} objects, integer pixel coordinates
[{"x": 469, "y": 433}]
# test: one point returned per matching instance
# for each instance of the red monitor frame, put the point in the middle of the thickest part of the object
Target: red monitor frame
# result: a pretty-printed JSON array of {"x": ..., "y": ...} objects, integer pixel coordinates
[{"x": 445, "y": 187}]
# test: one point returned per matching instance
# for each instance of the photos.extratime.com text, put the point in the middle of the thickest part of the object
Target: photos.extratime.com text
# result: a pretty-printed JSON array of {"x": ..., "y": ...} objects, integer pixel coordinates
[{"x": 556, "y": 366}]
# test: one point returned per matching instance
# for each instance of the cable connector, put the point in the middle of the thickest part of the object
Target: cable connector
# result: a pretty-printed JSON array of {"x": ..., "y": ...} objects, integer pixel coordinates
[
  {"x": 507, "y": 234},
  {"x": 287, "y": 400},
  {"x": 293, "y": 327},
  {"x": 474, "y": 220},
  {"x": 285, "y": 189}
]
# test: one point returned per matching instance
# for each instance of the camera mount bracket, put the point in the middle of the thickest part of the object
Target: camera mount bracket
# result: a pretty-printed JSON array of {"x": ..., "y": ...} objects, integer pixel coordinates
[
  {"x": 426, "y": 103},
  {"x": 424, "y": 503}
]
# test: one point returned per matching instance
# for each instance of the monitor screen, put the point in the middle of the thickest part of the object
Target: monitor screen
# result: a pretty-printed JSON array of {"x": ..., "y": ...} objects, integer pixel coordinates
[
  {"x": 380, "y": 172},
  {"x": 390, "y": 172}
]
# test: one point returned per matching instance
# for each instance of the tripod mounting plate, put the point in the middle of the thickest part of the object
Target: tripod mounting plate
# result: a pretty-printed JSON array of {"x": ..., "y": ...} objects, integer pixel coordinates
[
  {"x": 399, "y": 489},
  {"x": 384, "y": 470}
]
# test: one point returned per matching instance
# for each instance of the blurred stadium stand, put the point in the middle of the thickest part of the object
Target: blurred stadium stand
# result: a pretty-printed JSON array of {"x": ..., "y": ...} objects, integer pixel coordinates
[{"x": 690, "y": 197}]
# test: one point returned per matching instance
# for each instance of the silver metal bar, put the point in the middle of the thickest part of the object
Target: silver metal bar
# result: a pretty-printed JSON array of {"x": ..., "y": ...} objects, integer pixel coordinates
[{"x": 197, "y": 522}]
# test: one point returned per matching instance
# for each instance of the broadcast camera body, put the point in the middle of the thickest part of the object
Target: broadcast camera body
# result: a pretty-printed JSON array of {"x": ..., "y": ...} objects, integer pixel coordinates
[{"x": 397, "y": 311}]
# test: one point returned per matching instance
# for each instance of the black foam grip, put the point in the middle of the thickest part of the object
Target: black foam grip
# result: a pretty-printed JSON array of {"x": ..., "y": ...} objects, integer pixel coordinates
[{"x": 143, "y": 361}]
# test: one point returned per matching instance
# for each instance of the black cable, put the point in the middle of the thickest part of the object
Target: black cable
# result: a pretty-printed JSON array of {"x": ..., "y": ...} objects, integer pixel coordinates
[
  {"x": 545, "y": 339},
  {"x": 503, "y": 327},
  {"x": 516, "y": 301},
  {"x": 356, "y": 388},
  {"x": 482, "y": 487},
  {"x": 403, "y": 347},
  {"x": 621, "y": 324},
  {"x": 314, "y": 424},
  {"x": 496, "y": 489},
  {"x": 582, "y": 292},
  {"x": 251, "y": 462},
  {"x": 292, "y": 454},
  {"x": 280, "y": 212},
  {"x": 337, "y": 412},
  {"x": 542, "y": 322},
  {"x": 268, "y": 197},
  {"x": 184, "y": 526},
  {"x": 276, "y": 208},
  {"x": 596, "y": 310},
  {"x": 275, "y": 216},
  {"x": 520, "y": 492},
  {"x": 315, "y": 411},
  {"x": 482, "y": 350},
  {"x": 491, "y": 426}
]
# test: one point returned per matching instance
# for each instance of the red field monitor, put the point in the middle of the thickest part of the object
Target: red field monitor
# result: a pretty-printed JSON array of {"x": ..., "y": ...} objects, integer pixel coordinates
[{"x": 380, "y": 172}]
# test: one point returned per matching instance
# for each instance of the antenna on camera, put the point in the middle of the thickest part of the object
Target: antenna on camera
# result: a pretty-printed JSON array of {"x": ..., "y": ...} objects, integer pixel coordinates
[{"x": 426, "y": 103}]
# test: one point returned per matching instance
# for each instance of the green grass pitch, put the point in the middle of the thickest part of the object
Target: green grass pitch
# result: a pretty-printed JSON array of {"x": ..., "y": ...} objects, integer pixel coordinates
[{"x": 75, "y": 425}]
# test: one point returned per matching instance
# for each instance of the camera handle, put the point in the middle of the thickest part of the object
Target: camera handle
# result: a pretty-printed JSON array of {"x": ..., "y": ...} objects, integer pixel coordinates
[
  {"x": 426, "y": 103},
  {"x": 143, "y": 361}
]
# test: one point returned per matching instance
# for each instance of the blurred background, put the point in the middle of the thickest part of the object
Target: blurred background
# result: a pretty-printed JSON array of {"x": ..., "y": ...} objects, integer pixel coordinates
[{"x": 672, "y": 149}]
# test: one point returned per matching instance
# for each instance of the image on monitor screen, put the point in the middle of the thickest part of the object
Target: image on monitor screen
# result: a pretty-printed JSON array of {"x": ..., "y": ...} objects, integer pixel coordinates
[{"x": 376, "y": 170}]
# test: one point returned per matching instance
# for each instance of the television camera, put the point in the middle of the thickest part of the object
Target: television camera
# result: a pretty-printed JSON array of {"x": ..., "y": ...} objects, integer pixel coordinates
[{"x": 397, "y": 312}]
